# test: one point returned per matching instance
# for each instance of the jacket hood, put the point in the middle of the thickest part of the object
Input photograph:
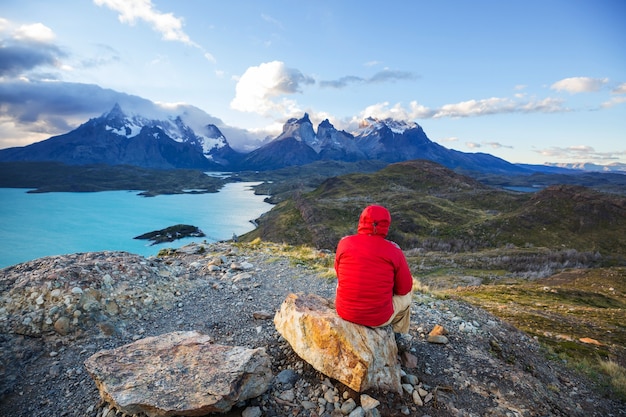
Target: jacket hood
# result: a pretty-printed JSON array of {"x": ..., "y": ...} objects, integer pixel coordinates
[{"x": 374, "y": 220}]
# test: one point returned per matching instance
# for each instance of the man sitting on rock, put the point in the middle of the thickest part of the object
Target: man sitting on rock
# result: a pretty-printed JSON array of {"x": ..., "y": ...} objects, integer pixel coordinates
[{"x": 374, "y": 281}]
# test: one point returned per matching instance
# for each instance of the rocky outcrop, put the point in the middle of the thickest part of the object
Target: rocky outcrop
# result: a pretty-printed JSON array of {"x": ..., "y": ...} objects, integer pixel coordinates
[
  {"x": 357, "y": 356},
  {"x": 179, "y": 374},
  {"x": 172, "y": 233},
  {"x": 230, "y": 292}
]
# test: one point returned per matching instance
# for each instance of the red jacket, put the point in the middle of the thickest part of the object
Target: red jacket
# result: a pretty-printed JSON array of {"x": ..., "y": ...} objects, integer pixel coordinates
[{"x": 370, "y": 270}]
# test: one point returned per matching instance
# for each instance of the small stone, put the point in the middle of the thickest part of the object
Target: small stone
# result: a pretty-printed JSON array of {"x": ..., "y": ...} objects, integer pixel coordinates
[
  {"x": 590, "y": 341},
  {"x": 241, "y": 276},
  {"x": 111, "y": 307},
  {"x": 438, "y": 330},
  {"x": 216, "y": 261},
  {"x": 308, "y": 405},
  {"x": 107, "y": 328},
  {"x": 262, "y": 315},
  {"x": 368, "y": 403},
  {"x": 410, "y": 379},
  {"x": 252, "y": 412},
  {"x": 287, "y": 376},
  {"x": 288, "y": 395},
  {"x": 438, "y": 339},
  {"x": 329, "y": 396},
  {"x": 408, "y": 360},
  {"x": 348, "y": 406},
  {"x": 417, "y": 399},
  {"x": 357, "y": 412},
  {"x": 62, "y": 326}
]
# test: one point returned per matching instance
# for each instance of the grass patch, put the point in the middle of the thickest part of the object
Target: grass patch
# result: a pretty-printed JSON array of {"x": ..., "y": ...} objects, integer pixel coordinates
[
  {"x": 320, "y": 261},
  {"x": 617, "y": 376},
  {"x": 579, "y": 315}
]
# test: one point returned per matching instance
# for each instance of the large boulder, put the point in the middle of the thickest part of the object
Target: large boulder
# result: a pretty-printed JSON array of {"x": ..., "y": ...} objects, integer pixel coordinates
[
  {"x": 358, "y": 356},
  {"x": 179, "y": 374}
]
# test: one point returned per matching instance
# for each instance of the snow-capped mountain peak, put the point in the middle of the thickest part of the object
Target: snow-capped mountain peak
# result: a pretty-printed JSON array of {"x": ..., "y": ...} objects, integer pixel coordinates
[
  {"x": 122, "y": 125},
  {"x": 370, "y": 125},
  {"x": 178, "y": 127}
]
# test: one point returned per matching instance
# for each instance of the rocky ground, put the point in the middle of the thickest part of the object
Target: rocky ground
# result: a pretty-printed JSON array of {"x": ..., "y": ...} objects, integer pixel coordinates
[{"x": 55, "y": 312}]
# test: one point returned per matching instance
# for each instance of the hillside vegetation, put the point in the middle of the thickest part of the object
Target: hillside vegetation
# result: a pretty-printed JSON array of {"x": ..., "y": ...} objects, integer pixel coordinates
[
  {"x": 436, "y": 209},
  {"x": 45, "y": 177}
]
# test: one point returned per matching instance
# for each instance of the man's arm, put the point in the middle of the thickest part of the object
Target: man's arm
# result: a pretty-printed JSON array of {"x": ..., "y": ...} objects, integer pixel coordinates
[{"x": 403, "y": 281}]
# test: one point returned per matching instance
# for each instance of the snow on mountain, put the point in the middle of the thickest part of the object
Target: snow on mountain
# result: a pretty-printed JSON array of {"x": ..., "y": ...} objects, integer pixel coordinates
[
  {"x": 301, "y": 130},
  {"x": 371, "y": 125},
  {"x": 588, "y": 166},
  {"x": 182, "y": 124}
]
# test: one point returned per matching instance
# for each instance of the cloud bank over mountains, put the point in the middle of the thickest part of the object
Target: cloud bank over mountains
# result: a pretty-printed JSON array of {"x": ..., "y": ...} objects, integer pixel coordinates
[{"x": 39, "y": 98}]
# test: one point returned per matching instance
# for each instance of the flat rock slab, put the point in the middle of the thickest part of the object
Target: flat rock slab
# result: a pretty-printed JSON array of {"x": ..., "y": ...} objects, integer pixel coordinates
[{"x": 179, "y": 374}]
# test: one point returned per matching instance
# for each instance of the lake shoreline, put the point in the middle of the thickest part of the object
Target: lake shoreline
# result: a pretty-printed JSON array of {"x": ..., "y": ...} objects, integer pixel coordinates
[{"x": 45, "y": 224}]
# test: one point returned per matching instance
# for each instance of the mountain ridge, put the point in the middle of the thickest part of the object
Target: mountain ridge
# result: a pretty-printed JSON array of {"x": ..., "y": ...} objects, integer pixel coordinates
[
  {"x": 169, "y": 142},
  {"x": 118, "y": 138}
]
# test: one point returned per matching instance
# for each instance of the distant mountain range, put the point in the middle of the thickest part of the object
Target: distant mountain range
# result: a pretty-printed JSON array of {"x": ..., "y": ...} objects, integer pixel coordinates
[
  {"x": 587, "y": 166},
  {"x": 120, "y": 138}
]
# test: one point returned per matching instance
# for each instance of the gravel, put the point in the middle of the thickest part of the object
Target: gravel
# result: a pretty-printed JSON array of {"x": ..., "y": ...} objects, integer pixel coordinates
[{"x": 55, "y": 312}]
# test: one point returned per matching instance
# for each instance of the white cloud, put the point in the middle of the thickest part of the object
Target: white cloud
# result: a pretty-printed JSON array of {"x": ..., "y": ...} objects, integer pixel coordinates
[
  {"x": 580, "y": 153},
  {"x": 547, "y": 105},
  {"x": 398, "y": 112},
  {"x": 271, "y": 20},
  {"x": 260, "y": 88},
  {"x": 27, "y": 48},
  {"x": 579, "y": 84},
  {"x": 470, "y": 108},
  {"x": 613, "y": 102},
  {"x": 620, "y": 89},
  {"x": 209, "y": 57},
  {"x": 168, "y": 25},
  {"x": 4, "y": 24},
  {"x": 476, "y": 108},
  {"x": 37, "y": 32},
  {"x": 497, "y": 145},
  {"x": 450, "y": 139},
  {"x": 384, "y": 76}
]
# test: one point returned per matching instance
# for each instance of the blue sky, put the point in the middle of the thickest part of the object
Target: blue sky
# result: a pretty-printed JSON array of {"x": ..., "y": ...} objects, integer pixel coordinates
[{"x": 528, "y": 81}]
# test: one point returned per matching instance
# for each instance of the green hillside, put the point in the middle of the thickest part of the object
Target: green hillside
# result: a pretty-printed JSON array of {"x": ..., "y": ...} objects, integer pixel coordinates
[{"x": 436, "y": 209}]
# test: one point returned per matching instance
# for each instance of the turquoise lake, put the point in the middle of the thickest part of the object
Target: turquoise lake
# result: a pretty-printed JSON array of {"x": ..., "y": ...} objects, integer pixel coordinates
[{"x": 37, "y": 225}]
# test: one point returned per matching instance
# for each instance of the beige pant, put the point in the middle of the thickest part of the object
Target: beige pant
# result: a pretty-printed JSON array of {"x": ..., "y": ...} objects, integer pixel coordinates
[{"x": 400, "y": 320}]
